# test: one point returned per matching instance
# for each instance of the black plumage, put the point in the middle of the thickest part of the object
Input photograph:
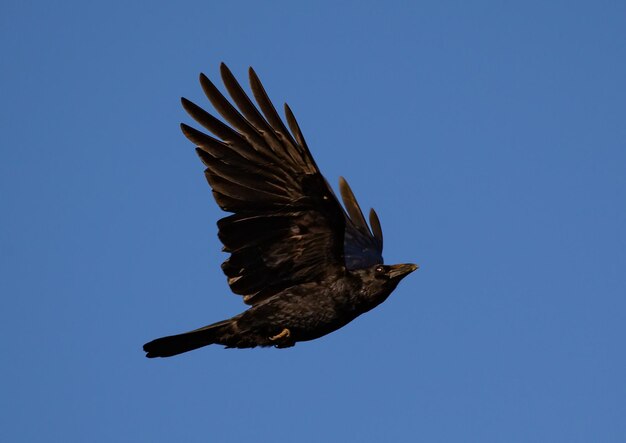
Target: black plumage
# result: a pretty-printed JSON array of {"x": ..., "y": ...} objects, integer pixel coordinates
[{"x": 306, "y": 265}]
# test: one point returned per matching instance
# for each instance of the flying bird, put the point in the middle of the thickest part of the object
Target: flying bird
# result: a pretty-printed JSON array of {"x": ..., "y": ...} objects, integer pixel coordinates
[{"x": 304, "y": 264}]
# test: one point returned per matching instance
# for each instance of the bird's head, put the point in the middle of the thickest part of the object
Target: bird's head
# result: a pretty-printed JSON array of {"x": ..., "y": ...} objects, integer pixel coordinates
[
  {"x": 392, "y": 274},
  {"x": 382, "y": 279}
]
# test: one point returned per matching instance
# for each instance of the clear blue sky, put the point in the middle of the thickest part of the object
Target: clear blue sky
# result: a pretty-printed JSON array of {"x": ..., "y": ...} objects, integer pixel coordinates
[{"x": 489, "y": 136}]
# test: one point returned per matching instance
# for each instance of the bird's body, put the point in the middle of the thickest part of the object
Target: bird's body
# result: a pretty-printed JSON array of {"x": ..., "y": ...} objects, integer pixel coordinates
[
  {"x": 305, "y": 265},
  {"x": 308, "y": 311}
]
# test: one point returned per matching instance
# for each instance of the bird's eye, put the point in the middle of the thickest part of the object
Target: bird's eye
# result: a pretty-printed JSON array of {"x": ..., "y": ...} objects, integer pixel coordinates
[{"x": 380, "y": 269}]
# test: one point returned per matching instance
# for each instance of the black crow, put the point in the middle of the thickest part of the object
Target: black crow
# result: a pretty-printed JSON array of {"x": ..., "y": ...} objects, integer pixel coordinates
[{"x": 305, "y": 265}]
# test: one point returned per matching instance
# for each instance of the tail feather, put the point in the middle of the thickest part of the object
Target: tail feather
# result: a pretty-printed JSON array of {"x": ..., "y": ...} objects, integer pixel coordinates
[{"x": 188, "y": 341}]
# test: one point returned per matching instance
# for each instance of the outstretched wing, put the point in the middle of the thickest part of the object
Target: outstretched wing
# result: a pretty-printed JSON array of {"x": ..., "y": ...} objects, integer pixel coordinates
[
  {"x": 362, "y": 247},
  {"x": 287, "y": 226}
]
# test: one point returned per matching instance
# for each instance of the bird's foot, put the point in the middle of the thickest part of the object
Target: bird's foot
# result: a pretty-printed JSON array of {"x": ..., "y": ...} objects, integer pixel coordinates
[
  {"x": 285, "y": 333},
  {"x": 282, "y": 340}
]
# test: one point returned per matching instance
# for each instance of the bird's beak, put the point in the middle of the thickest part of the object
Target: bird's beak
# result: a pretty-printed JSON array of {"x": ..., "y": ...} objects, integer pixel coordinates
[{"x": 401, "y": 271}]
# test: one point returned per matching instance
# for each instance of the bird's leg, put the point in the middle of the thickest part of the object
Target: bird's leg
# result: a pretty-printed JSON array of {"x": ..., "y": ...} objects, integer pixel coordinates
[{"x": 285, "y": 333}]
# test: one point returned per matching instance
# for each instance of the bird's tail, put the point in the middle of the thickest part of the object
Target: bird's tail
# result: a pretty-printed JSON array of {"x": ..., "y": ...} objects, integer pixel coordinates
[{"x": 188, "y": 341}]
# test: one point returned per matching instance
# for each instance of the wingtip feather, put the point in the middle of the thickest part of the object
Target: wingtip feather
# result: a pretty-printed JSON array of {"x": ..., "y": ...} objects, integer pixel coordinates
[{"x": 376, "y": 227}]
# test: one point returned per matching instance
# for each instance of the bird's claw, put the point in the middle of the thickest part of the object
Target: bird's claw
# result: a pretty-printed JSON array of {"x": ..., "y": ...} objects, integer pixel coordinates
[
  {"x": 283, "y": 339},
  {"x": 285, "y": 333}
]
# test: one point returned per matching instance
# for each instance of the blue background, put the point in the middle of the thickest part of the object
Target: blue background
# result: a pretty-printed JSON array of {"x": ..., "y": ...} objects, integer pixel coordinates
[{"x": 490, "y": 137}]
